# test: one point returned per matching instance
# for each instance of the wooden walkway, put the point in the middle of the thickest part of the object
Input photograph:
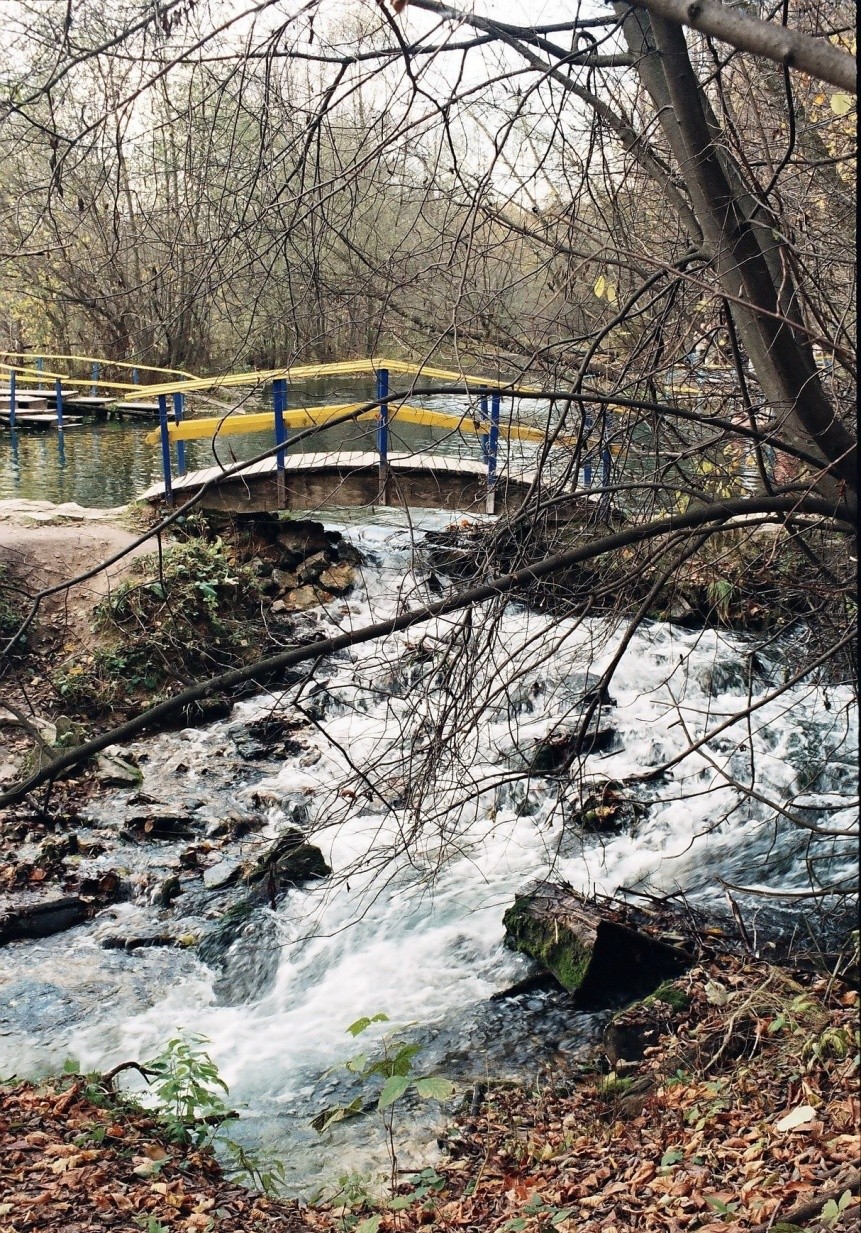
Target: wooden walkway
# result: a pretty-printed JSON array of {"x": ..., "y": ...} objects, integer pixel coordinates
[{"x": 346, "y": 478}]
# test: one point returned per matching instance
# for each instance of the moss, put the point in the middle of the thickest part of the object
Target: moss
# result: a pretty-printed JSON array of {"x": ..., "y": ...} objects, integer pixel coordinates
[
  {"x": 558, "y": 950},
  {"x": 670, "y": 993}
]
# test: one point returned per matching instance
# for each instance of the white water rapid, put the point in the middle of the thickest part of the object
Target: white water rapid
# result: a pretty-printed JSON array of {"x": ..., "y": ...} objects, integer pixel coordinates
[{"x": 429, "y": 839}]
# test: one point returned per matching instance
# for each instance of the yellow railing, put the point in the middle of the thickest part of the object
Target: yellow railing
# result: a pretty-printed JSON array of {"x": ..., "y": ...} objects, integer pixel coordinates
[
  {"x": 344, "y": 368},
  {"x": 314, "y": 417}
]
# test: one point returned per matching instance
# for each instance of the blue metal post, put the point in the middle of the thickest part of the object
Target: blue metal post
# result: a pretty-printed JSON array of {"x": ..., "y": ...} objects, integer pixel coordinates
[
  {"x": 94, "y": 388},
  {"x": 279, "y": 406},
  {"x": 58, "y": 394},
  {"x": 383, "y": 432},
  {"x": 180, "y": 445},
  {"x": 13, "y": 396},
  {"x": 135, "y": 377},
  {"x": 40, "y": 363},
  {"x": 165, "y": 449},
  {"x": 493, "y": 443},
  {"x": 587, "y": 461}
]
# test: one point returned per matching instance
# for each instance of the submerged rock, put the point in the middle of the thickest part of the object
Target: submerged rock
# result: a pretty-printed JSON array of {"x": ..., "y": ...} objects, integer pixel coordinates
[{"x": 289, "y": 862}]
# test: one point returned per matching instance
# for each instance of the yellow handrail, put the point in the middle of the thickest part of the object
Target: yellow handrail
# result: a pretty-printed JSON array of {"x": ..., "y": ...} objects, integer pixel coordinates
[
  {"x": 343, "y": 368},
  {"x": 309, "y": 417},
  {"x": 95, "y": 359}
]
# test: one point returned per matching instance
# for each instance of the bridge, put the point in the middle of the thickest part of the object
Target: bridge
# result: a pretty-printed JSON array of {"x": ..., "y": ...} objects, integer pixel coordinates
[{"x": 288, "y": 478}]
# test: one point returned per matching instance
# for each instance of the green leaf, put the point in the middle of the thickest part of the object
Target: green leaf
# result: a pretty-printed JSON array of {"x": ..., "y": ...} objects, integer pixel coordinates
[
  {"x": 726, "y": 1209},
  {"x": 434, "y": 1088},
  {"x": 672, "y": 1157},
  {"x": 563, "y": 1214},
  {"x": 371, "y": 1225},
  {"x": 515, "y": 1225},
  {"x": 357, "y": 1064},
  {"x": 356, "y": 1029},
  {"x": 393, "y": 1089}
]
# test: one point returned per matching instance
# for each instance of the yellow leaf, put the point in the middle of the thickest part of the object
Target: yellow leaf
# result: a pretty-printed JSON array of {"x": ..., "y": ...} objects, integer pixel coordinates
[
  {"x": 819, "y": 100},
  {"x": 841, "y": 104},
  {"x": 611, "y": 293},
  {"x": 600, "y": 286}
]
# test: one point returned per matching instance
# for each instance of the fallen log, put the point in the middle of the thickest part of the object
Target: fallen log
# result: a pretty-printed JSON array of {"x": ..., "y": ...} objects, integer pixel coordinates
[{"x": 606, "y": 951}]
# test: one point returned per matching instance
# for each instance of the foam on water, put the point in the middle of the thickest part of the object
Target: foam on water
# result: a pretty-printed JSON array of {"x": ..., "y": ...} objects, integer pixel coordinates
[{"x": 425, "y": 866}]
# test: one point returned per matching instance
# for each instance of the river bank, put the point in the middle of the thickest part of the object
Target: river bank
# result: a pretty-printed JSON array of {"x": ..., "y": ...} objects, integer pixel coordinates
[{"x": 743, "y": 1114}]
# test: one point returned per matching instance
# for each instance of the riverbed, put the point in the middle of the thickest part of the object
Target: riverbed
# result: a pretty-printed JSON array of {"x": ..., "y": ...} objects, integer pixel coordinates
[{"x": 410, "y": 775}]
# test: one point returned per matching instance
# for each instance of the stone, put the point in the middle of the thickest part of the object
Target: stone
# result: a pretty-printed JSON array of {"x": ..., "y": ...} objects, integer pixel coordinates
[
  {"x": 223, "y": 874},
  {"x": 311, "y": 568},
  {"x": 303, "y": 535},
  {"x": 299, "y": 600},
  {"x": 41, "y": 919},
  {"x": 115, "y": 771},
  {"x": 284, "y": 579},
  {"x": 339, "y": 579},
  {"x": 289, "y": 862}
]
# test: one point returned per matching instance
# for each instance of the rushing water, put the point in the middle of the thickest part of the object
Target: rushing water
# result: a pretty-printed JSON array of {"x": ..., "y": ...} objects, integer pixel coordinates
[{"x": 410, "y": 780}]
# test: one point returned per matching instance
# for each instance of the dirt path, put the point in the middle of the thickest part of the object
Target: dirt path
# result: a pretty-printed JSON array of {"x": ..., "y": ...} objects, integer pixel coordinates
[{"x": 43, "y": 545}]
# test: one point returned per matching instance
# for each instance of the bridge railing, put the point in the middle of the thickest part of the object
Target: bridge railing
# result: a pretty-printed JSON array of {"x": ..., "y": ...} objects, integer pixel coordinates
[{"x": 175, "y": 429}]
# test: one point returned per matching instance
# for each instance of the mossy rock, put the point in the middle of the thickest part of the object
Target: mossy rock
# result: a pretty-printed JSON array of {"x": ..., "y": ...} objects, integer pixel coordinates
[{"x": 560, "y": 952}]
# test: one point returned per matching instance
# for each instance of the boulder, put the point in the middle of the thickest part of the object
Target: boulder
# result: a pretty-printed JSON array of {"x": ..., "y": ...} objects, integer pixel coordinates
[
  {"x": 304, "y": 536},
  {"x": 604, "y": 950},
  {"x": 289, "y": 862},
  {"x": 297, "y": 600},
  {"x": 115, "y": 771},
  {"x": 338, "y": 579}
]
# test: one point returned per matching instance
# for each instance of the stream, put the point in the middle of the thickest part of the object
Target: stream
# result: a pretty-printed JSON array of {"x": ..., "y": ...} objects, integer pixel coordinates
[{"x": 408, "y": 768}]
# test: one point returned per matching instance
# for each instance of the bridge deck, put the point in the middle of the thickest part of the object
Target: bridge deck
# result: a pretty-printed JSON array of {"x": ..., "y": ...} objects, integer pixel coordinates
[{"x": 349, "y": 478}]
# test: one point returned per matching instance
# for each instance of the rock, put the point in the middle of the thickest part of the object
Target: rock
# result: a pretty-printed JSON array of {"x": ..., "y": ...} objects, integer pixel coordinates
[
  {"x": 339, "y": 579},
  {"x": 304, "y": 536},
  {"x": 170, "y": 889},
  {"x": 165, "y": 825},
  {"x": 311, "y": 568},
  {"x": 41, "y": 919},
  {"x": 298, "y": 600},
  {"x": 243, "y": 947},
  {"x": 605, "y": 809},
  {"x": 632, "y": 1031},
  {"x": 289, "y": 862},
  {"x": 606, "y": 951},
  {"x": 561, "y": 747},
  {"x": 223, "y": 874},
  {"x": 348, "y": 554},
  {"x": 117, "y": 942},
  {"x": 115, "y": 771},
  {"x": 285, "y": 580}
]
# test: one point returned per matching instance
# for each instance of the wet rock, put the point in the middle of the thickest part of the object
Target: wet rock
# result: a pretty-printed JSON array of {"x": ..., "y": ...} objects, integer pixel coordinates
[
  {"x": 167, "y": 891},
  {"x": 244, "y": 949},
  {"x": 560, "y": 748},
  {"x": 167, "y": 825},
  {"x": 41, "y": 919},
  {"x": 137, "y": 942},
  {"x": 339, "y": 579},
  {"x": 115, "y": 771},
  {"x": 632, "y": 1031},
  {"x": 269, "y": 737},
  {"x": 290, "y": 861},
  {"x": 297, "y": 600},
  {"x": 223, "y": 874},
  {"x": 605, "y": 809}
]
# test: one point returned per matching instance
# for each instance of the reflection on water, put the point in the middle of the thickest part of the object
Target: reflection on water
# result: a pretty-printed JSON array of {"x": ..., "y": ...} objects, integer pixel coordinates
[{"x": 107, "y": 464}]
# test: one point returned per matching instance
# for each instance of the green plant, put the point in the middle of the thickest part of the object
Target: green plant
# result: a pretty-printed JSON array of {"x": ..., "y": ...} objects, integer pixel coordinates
[
  {"x": 188, "y": 1088},
  {"x": 396, "y": 1068}
]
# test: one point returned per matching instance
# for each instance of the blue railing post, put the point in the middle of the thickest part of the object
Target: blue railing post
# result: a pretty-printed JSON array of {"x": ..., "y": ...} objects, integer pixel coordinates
[
  {"x": 587, "y": 460},
  {"x": 135, "y": 377},
  {"x": 180, "y": 445},
  {"x": 279, "y": 406},
  {"x": 13, "y": 396},
  {"x": 40, "y": 363},
  {"x": 165, "y": 449},
  {"x": 94, "y": 377},
  {"x": 58, "y": 394},
  {"x": 492, "y": 451},
  {"x": 383, "y": 432}
]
